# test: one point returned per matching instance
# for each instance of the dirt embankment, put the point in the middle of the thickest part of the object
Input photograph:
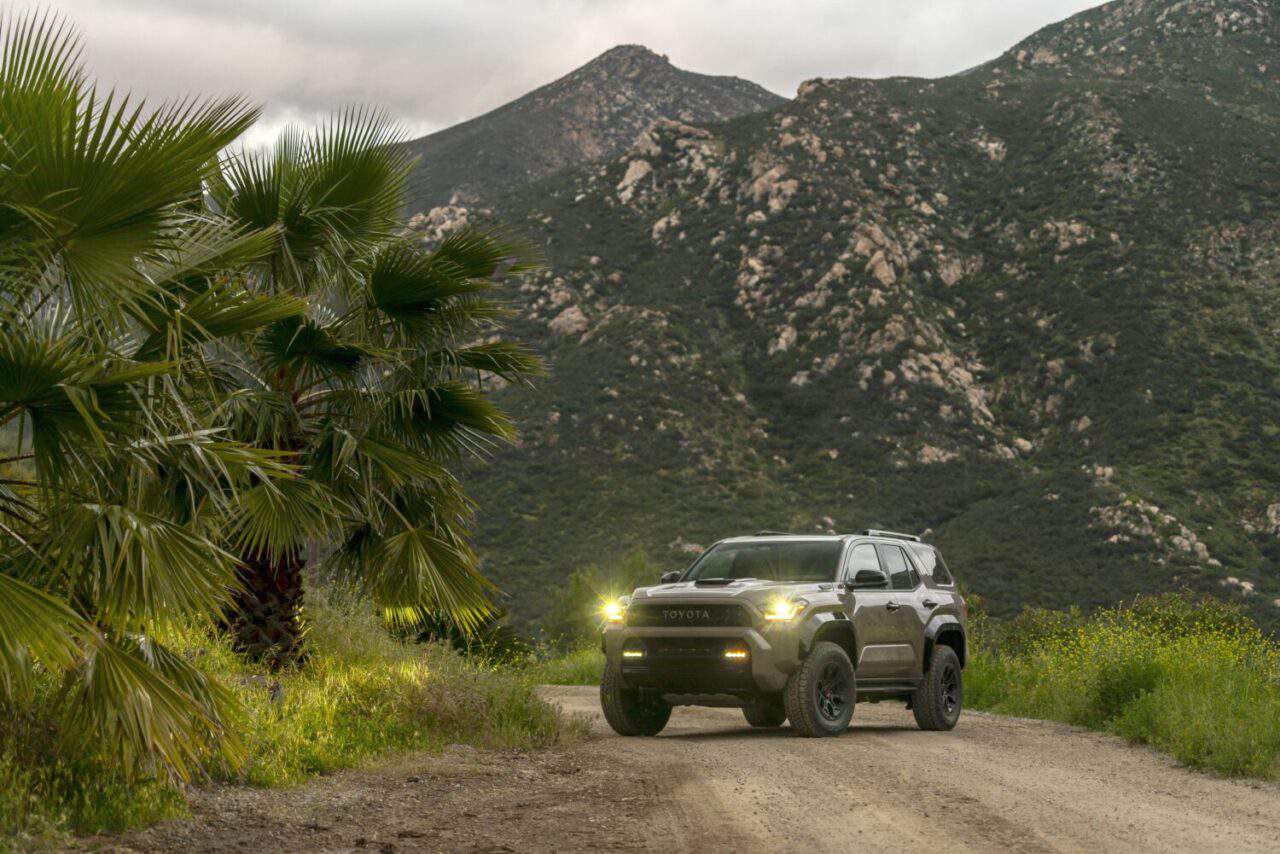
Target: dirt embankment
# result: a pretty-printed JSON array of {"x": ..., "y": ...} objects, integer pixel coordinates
[{"x": 709, "y": 783}]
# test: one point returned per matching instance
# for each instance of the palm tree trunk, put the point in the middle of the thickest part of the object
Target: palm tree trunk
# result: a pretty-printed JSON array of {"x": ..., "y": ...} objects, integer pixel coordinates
[{"x": 265, "y": 615}]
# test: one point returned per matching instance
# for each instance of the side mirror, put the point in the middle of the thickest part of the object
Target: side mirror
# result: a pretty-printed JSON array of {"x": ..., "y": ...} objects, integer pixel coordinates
[
  {"x": 870, "y": 579},
  {"x": 670, "y": 577}
]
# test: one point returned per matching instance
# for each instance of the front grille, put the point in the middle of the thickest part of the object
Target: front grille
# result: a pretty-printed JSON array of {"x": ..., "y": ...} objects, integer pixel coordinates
[
  {"x": 652, "y": 615},
  {"x": 678, "y": 649},
  {"x": 684, "y": 665}
]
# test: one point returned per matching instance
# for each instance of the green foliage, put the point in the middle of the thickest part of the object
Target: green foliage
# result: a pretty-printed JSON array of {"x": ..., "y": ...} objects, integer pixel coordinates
[
  {"x": 117, "y": 481},
  {"x": 376, "y": 383},
  {"x": 1185, "y": 674},
  {"x": 362, "y": 695},
  {"x": 208, "y": 361},
  {"x": 581, "y": 663},
  {"x": 575, "y": 609}
]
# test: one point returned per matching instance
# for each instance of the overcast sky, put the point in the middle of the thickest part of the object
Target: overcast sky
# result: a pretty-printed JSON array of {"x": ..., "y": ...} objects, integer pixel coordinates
[{"x": 435, "y": 62}]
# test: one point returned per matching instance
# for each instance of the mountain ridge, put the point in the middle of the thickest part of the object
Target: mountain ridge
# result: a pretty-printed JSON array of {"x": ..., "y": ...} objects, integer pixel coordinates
[
  {"x": 948, "y": 305},
  {"x": 593, "y": 111}
]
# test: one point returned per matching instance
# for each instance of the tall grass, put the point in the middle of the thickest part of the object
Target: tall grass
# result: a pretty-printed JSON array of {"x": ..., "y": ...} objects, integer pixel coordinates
[
  {"x": 1191, "y": 677},
  {"x": 582, "y": 663},
  {"x": 361, "y": 694}
]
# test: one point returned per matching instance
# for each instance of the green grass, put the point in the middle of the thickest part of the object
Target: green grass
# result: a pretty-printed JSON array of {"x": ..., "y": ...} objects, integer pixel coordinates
[
  {"x": 1188, "y": 677},
  {"x": 362, "y": 694},
  {"x": 581, "y": 664}
]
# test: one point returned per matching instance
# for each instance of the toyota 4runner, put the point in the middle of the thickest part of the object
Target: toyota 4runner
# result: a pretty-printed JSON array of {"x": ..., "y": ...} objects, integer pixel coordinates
[{"x": 790, "y": 627}]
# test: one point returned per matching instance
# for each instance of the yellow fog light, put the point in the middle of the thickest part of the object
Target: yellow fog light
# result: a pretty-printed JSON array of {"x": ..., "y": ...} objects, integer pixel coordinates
[
  {"x": 633, "y": 653},
  {"x": 737, "y": 653},
  {"x": 781, "y": 610},
  {"x": 613, "y": 611}
]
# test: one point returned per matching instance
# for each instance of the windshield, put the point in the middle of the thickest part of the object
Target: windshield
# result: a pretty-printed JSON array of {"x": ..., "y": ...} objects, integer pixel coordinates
[{"x": 785, "y": 561}]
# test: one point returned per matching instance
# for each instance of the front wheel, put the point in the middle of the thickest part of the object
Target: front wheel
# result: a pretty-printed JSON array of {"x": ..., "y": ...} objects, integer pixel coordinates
[
  {"x": 820, "y": 695},
  {"x": 628, "y": 711},
  {"x": 936, "y": 703}
]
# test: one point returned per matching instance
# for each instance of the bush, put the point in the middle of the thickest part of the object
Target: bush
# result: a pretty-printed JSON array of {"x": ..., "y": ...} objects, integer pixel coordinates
[
  {"x": 575, "y": 610},
  {"x": 362, "y": 694},
  {"x": 1190, "y": 676},
  {"x": 582, "y": 664}
]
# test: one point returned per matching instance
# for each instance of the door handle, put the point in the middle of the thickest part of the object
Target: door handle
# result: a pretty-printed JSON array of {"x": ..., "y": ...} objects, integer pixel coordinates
[
  {"x": 929, "y": 603},
  {"x": 892, "y": 606}
]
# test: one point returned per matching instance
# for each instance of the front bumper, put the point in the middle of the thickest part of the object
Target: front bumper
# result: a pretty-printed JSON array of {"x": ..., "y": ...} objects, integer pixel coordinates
[{"x": 692, "y": 660}]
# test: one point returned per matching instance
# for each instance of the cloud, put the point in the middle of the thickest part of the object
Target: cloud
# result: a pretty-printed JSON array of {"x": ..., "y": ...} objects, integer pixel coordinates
[{"x": 437, "y": 62}]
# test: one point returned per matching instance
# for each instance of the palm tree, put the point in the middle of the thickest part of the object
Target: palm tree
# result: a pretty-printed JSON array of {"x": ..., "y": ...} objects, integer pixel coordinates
[
  {"x": 376, "y": 389},
  {"x": 120, "y": 491}
]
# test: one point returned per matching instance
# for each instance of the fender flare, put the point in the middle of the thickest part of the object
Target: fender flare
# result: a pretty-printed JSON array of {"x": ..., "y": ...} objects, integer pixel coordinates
[
  {"x": 937, "y": 625},
  {"x": 817, "y": 622}
]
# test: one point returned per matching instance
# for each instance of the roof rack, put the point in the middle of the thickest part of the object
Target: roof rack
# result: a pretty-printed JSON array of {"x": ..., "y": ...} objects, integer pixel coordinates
[
  {"x": 773, "y": 534},
  {"x": 872, "y": 532}
]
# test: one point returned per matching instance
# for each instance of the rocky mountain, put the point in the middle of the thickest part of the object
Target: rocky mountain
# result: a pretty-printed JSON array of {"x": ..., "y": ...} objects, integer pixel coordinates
[
  {"x": 1033, "y": 309},
  {"x": 593, "y": 112}
]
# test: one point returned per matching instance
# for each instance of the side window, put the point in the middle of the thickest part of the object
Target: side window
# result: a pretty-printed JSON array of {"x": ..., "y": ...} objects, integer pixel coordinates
[
  {"x": 941, "y": 574},
  {"x": 901, "y": 575},
  {"x": 931, "y": 564},
  {"x": 862, "y": 557}
]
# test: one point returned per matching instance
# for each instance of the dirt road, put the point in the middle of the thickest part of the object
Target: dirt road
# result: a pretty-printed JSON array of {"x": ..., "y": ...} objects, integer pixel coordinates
[{"x": 709, "y": 783}]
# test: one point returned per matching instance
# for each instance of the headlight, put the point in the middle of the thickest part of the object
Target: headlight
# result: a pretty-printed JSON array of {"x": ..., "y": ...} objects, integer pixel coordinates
[
  {"x": 781, "y": 610},
  {"x": 614, "y": 610}
]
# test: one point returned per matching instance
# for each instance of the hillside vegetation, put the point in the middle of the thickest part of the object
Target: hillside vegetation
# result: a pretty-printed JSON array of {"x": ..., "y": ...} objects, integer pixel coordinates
[{"x": 1032, "y": 309}]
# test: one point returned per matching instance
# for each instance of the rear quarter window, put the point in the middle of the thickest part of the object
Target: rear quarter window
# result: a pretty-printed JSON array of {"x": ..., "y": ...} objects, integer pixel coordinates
[{"x": 932, "y": 564}]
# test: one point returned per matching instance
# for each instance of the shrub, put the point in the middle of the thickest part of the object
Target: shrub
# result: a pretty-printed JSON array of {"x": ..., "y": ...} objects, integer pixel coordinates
[
  {"x": 581, "y": 664},
  {"x": 362, "y": 694},
  {"x": 575, "y": 611},
  {"x": 1186, "y": 675}
]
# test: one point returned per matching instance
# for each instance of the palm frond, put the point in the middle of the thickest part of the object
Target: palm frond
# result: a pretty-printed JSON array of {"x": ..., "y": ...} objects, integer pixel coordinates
[
  {"x": 221, "y": 310},
  {"x": 67, "y": 390},
  {"x": 439, "y": 292},
  {"x": 446, "y": 419},
  {"x": 39, "y": 51},
  {"x": 137, "y": 568},
  {"x": 507, "y": 359},
  {"x": 99, "y": 178},
  {"x": 33, "y": 626},
  {"x": 358, "y": 171},
  {"x": 307, "y": 350},
  {"x": 119, "y": 701},
  {"x": 218, "y": 706},
  {"x": 338, "y": 455},
  {"x": 413, "y": 572},
  {"x": 278, "y": 517}
]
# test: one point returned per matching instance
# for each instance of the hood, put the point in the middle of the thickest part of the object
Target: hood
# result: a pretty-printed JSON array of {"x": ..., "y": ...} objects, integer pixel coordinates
[{"x": 749, "y": 589}]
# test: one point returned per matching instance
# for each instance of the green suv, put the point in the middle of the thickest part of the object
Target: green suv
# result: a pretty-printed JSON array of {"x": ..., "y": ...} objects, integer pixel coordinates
[{"x": 790, "y": 627}]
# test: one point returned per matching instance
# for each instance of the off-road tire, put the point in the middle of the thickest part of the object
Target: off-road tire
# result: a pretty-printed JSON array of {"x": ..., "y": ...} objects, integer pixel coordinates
[
  {"x": 629, "y": 711},
  {"x": 765, "y": 711},
  {"x": 937, "y": 702},
  {"x": 807, "y": 707}
]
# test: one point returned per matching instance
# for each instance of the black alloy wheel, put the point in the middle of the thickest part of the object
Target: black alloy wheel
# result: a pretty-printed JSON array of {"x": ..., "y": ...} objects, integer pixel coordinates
[{"x": 832, "y": 692}]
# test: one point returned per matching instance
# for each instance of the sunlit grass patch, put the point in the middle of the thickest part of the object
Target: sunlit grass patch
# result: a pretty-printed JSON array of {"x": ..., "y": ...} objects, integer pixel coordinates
[
  {"x": 1189, "y": 677},
  {"x": 582, "y": 664},
  {"x": 361, "y": 694}
]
